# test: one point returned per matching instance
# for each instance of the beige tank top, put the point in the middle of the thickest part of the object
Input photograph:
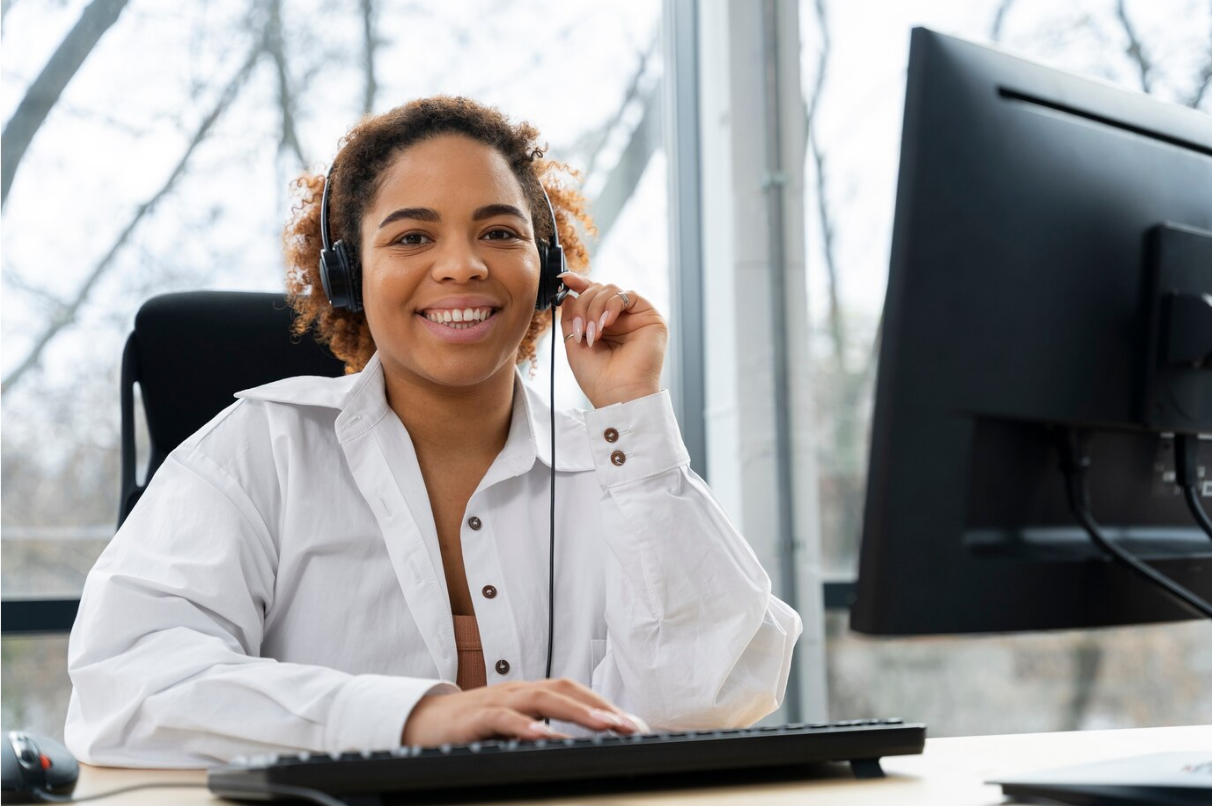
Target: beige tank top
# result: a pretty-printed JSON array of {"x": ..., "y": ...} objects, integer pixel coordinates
[{"x": 472, "y": 673}]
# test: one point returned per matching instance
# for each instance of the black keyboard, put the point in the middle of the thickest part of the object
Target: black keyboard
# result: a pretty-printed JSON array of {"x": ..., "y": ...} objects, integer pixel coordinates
[{"x": 786, "y": 751}]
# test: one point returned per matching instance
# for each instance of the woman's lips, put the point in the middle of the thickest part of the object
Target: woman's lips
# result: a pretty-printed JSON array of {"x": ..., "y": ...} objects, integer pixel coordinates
[{"x": 463, "y": 334}]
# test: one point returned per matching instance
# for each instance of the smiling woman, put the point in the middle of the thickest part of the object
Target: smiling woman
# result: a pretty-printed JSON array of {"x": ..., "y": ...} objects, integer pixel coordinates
[
  {"x": 339, "y": 564},
  {"x": 366, "y": 164}
]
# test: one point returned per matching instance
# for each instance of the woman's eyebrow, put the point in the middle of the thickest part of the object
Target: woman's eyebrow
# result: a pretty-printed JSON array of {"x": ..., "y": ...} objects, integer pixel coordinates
[
  {"x": 427, "y": 214},
  {"x": 418, "y": 213},
  {"x": 492, "y": 210}
]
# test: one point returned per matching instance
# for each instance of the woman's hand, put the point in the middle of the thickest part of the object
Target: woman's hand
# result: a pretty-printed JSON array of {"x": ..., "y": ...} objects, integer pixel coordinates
[
  {"x": 615, "y": 351},
  {"x": 511, "y": 710}
]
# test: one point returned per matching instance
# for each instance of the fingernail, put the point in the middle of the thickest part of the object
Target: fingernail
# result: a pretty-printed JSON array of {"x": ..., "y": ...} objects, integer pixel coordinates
[
  {"x": 542, "y": 728},
  {"x": 609, "y": 717},
  {"x": 602, "y": 324},
  {"x": 589, "y": 334},
  {"x": 578, "y": 329},
  {"x": 640, "y": 724}
]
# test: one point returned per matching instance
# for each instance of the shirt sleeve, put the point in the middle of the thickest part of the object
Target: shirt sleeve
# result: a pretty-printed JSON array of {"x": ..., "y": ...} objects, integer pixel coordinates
[
  {"x": 164, "y": 655},
  {"x": 694, "y": 637}
]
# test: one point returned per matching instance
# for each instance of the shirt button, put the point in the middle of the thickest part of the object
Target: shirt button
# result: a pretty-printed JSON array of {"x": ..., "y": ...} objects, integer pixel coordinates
[
  {"x": 489, "y": 592},
  {"x": 611, "y": 435},
  {"x": 618, "y": 458},
  {"x": 474, "y": 523},
  {"x": 502, "y": 667}
]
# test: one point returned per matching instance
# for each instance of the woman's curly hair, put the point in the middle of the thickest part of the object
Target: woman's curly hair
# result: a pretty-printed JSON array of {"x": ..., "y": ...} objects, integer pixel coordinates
[{"x": 357, "y": 174}]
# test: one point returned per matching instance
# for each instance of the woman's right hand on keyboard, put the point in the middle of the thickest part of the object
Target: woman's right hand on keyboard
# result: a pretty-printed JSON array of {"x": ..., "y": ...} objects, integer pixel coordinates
[{"x": 512, "y": 711}]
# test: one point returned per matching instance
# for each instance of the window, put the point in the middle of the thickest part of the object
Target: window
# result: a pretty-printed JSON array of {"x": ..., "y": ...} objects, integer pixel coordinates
[
  {"x": 853, "y": 72},
  {"x": 164, "y": 166}
]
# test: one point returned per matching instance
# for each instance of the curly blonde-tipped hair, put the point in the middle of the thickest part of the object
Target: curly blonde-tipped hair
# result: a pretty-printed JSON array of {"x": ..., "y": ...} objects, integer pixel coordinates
[{"x": 357, "y": 174}]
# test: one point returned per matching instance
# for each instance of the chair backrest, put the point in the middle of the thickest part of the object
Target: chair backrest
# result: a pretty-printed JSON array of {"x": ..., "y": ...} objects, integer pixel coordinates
[{"x": 190, "y": 353}]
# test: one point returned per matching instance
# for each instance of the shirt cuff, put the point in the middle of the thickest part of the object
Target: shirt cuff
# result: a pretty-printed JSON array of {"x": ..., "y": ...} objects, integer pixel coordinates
[
  {"x": 635, "y": 440},
  {"x": 370, "y": 711}
]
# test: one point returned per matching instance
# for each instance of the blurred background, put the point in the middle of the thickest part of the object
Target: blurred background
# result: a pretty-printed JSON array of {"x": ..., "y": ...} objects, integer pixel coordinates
[{"x": 148, "y": 147}]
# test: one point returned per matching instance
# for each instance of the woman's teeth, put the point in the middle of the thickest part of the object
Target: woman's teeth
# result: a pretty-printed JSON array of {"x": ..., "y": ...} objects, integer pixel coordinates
[{"x": 459, "y": 319}]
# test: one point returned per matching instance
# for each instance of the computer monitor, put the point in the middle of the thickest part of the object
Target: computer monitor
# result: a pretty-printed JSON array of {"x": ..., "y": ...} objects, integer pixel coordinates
[{"x": 1027, "y": 294}]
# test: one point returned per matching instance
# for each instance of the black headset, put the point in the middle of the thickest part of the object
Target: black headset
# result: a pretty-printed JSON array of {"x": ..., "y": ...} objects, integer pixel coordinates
[
  {"x": 342, "y": 280},
  {"x": 342, "y": 283}
]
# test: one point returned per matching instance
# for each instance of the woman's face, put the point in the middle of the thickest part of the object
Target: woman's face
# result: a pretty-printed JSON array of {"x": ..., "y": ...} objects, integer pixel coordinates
[{"x": 450, "y": 268}]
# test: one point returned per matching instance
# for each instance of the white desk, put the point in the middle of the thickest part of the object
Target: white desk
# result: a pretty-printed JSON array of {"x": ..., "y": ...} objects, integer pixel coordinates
[{"x": 951, "y": 771}]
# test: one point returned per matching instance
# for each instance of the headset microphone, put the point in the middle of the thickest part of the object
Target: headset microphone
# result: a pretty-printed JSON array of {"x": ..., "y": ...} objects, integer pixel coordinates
[{"x": 342, "y": 282}]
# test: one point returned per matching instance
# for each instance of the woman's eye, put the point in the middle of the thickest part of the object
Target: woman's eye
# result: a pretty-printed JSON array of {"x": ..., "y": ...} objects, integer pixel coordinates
[
  {"x": 412, "y": 239},
  {"x": 499, "y": 235}
]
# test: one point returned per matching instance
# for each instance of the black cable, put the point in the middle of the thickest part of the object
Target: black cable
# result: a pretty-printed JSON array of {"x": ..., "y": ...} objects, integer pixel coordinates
[
  {"x": 1197, "y": 510},
  {"x": 313, "y": 795},
  {"x": 1186, "y": 474},
  {"x": 301, "y": 792},
  {"x": 1075, "y": 463},
  {"x": 551, "y": 548}
]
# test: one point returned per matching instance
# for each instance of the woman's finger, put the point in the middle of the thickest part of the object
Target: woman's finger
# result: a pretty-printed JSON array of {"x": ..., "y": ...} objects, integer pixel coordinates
[
  {"x": 545, "y": 702},
  {"x": 575, "y": 282},
  {"x": 595, "y": 306},
  {"x": 571, "y": 688},
  {"x": 514, "y": 724},
  {"x": 572, "y": 310},
  {"x": 572, "y": 323},
  {"x": 615, "y": 306},
  {"x": 595, "y": 312}
]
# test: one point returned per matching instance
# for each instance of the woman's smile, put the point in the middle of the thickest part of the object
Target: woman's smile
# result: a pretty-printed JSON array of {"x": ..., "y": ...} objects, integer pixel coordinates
[{"x": 460, "y": 320}]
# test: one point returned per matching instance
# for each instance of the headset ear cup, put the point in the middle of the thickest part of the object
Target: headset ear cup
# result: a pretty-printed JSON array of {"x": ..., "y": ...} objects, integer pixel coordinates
[
  {"x": 341, "y": 284},
  {"x": 353, "y": 277},
  {"x": 551, "y": 258},
  {"x": 332, "y": 277},
  {"x": 543, "y": 299},
  {"x": 325, "y": 274}
]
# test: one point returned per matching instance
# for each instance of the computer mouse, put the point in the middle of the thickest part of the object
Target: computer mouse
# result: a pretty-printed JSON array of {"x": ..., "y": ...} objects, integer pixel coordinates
[{"x": 35, "y": 764}]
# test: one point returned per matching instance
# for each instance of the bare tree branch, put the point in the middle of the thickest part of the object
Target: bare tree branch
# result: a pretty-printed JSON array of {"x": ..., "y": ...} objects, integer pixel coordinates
[
  {"x": 600, "y": 137},
  {"x": 1135, "y": 50},
  {"x": 999, "y": 19},
  {"x": 1088, "y": 661},
  {"x": 369, "y": 43},
  {"x": 67, "y": 313},
  {"x": 627, "y": 172},
  {"x": 1201, "y": 85},
  {"x": 286, "y": 98},
  {"x": 16, "y": 281},
  {"x": 1203, "y": 80},
  {"x": 837, "y": 325},
  {"x": 42, "y": 94}
]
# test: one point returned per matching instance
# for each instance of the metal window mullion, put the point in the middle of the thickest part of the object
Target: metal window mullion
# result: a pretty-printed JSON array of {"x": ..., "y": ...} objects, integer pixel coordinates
[{"x": 686, "y": 225}]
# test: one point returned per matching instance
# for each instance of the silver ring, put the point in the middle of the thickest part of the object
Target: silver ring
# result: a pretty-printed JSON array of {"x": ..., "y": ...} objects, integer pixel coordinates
[
  {"x": 569, "y": 336},
  {"x": 626, "y": 299}
]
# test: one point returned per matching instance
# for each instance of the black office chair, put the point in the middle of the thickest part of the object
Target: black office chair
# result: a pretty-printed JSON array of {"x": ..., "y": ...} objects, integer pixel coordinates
[{"x": 190, "y": 353}]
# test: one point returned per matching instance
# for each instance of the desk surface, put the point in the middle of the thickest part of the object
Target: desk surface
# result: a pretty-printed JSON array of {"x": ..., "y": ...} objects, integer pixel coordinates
[{"x": 951, "y": 771}]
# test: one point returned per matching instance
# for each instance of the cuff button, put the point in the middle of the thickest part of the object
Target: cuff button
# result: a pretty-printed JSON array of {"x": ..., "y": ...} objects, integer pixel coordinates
[
  {"x": 618, "y": 458},
  {"x": 502, "y": 667},
  {"x": 611, "y": 435}
]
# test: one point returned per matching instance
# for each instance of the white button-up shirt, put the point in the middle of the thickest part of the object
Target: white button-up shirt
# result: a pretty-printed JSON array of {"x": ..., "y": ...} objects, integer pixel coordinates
[{"x": 279, "y": 587}]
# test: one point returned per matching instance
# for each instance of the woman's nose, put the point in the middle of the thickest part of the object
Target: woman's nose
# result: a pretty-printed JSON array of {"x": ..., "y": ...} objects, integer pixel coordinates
[{"x": 458, "y": 261}]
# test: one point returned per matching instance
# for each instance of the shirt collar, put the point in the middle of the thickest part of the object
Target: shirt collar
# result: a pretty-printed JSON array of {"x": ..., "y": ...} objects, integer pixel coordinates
[{"x": 361, "y": 400}]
